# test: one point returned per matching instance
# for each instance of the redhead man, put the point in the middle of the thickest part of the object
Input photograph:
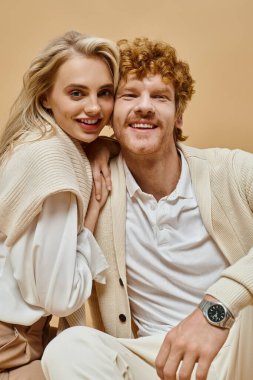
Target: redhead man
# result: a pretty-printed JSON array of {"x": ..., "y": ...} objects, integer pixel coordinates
[{"x": 177, "y": 231}]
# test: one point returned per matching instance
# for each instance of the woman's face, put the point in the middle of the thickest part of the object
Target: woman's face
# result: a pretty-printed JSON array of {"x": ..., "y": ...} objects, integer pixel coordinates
[{"x": 81, "y": 99}]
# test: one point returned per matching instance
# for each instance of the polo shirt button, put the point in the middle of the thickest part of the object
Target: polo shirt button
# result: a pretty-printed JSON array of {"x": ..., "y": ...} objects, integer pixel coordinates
[
  {"x": 121, "y": 282},
  {"x": 122, "y": 317}
]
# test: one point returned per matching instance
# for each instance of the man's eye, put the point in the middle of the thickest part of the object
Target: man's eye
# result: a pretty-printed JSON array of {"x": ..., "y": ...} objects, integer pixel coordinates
[
  {"x": 160, "y": 97},
  {"x": 129, "y": 96}
]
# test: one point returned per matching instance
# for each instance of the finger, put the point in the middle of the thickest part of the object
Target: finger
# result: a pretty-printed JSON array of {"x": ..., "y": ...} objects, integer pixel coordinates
[
  {"x": 162, "y": 356},
  {"x": 97, "y": 179},
  {"x": 103, "y": 184},
  {"x": 106, "y": 172},
  {"x": 105, "y": 192},
  {"x": 202, "y": 369},
  {"x": 171, "y": 366},
  {"x": 187, "y": 366}
]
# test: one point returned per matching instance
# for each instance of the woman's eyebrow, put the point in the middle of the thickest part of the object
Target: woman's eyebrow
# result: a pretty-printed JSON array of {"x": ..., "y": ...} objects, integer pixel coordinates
[{"x": 108, "y": 85}]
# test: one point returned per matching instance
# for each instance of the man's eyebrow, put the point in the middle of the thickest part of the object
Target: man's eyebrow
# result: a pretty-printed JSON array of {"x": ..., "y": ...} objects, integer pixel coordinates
[
  {"x": 163, "y": 91},
  {"x": 130, "y": 87},
  {"x": 160, "y": 91}
]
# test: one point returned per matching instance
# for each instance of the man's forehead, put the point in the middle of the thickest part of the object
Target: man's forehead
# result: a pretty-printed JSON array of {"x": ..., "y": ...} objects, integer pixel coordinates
[{"x": 132, "y": 80}]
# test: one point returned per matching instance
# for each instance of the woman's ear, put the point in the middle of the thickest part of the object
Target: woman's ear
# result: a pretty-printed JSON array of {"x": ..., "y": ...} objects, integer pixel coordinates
[{"x": 45, "y": 102}]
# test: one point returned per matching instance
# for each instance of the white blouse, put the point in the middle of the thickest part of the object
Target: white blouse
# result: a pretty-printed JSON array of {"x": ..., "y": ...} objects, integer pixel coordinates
[{"x": 50, "y": 269}]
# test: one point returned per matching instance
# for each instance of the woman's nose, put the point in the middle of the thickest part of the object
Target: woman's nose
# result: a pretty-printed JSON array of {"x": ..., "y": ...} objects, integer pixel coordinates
[{"x": 92, "y": 106}]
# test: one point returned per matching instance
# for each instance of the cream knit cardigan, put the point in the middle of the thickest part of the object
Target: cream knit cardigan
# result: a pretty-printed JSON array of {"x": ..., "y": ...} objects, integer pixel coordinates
[
  {"x": 223, "y": 184},
  {"x": 34, "y": 171}
]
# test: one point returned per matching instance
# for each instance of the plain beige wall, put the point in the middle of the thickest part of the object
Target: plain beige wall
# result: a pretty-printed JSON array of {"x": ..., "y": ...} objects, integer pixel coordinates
[{"x": 214, "y": 36}]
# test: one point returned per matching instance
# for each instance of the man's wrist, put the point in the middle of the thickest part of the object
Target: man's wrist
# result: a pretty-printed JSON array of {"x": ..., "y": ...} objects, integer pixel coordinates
[{"x": 216, "y": 313}]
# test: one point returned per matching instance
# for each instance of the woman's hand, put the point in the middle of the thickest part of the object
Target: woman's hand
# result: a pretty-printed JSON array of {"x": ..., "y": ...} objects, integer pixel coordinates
[
  {"x": 99, "y": 152},
  {"x": 101, "y": 172},
  {"x": 95, "y": 205}
]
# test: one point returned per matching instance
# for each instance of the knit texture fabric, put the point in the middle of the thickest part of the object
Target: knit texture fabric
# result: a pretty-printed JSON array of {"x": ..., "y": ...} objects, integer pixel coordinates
[
  {"x": 223, "y": 184},
  {"x": 34, "y": 171}
]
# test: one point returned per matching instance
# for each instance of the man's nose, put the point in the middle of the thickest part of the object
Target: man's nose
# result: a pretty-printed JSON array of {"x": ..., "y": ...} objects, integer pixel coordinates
[{"x": 144, "y": 105}]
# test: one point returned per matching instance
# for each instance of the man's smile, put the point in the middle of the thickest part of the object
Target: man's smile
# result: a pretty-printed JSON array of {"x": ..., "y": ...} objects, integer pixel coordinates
[{"x": 142, "y": 124}]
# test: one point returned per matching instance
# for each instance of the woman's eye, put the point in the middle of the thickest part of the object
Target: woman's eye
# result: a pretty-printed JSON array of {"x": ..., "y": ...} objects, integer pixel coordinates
[
  {"x": 76, "y": 93},
  {"x": 105, "y": 93}
]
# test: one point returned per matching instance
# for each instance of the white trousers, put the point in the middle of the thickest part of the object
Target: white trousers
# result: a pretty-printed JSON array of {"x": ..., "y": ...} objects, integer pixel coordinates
[{"x": 88, "y": 354}]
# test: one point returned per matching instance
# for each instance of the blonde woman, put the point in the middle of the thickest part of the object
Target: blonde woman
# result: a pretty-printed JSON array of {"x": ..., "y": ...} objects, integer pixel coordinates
[{"x": 48, "y": 255}]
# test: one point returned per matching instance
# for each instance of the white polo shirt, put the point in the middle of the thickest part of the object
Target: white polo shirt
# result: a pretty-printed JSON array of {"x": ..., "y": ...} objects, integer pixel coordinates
[{"x": 171, "y": 259}]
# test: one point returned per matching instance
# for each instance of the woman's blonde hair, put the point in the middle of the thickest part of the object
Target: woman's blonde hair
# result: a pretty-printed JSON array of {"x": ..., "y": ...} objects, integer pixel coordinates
[{"x": 28, "y": 113}]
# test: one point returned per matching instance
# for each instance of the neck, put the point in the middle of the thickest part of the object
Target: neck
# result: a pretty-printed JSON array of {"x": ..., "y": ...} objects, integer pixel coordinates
[{"x": 156, "y": 175}]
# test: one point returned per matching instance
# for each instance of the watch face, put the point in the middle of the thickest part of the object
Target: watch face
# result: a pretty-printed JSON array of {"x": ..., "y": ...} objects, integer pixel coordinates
[{"x": 216, "y": 313}]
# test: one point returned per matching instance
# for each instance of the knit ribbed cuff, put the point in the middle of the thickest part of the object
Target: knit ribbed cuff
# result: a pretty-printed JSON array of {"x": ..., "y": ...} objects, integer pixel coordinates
[{"x": 234, "y": 296}]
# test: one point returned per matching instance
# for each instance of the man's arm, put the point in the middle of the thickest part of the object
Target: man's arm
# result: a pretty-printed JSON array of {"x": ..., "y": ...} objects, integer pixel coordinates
[{"x": 194, "y": 340}]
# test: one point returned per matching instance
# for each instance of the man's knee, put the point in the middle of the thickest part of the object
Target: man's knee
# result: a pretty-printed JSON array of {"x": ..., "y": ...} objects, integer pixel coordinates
[{"x": 67, "y": 342}]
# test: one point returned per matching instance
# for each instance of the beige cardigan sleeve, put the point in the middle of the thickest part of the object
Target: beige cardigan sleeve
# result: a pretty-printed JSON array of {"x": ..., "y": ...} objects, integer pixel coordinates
[{"x": 235, "y": 287}]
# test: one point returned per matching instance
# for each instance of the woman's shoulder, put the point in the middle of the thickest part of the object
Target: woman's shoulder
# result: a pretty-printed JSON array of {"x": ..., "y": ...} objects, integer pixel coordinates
[
  {"x": 33, "y": 151},
  {"x": 33, "y": 144}
]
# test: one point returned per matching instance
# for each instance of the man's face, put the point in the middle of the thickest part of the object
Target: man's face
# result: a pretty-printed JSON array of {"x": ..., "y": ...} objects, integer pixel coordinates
[{"x": 144, "y": 116}]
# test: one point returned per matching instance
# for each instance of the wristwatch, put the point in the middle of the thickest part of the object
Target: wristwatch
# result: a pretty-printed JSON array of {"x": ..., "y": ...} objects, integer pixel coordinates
[{"x": 217, "y": 314}]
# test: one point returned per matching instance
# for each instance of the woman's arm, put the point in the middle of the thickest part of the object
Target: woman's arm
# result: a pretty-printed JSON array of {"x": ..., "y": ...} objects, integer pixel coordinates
[
  {"x": 54, "y": 266},
  {"x": 95, "y": 206}
]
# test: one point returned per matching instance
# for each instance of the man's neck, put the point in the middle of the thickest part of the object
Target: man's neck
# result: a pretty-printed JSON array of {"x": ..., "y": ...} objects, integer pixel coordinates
[{"x": 157, "y": 176}]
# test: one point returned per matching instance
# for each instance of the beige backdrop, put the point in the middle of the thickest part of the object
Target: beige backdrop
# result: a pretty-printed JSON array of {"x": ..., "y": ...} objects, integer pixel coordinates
[{"x": 214, "y": 36}]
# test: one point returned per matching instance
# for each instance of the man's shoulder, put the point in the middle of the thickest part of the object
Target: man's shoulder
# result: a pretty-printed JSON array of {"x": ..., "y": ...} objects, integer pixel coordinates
[
  {"x": 117, "y": 163},
  {"x": 118, "y": 175},
  {"x": 225, "y": 164},
  {"x": 215, "y": 154},
  {"x": 202, "y": 152}
]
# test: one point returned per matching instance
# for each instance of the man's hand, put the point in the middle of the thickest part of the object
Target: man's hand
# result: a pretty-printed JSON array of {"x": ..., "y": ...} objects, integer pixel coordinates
[{"x": 192, "y": 341}]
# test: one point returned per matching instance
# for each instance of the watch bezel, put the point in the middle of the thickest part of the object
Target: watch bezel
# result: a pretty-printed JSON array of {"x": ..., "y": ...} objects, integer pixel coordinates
[{"x": 226, "y": 322}]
